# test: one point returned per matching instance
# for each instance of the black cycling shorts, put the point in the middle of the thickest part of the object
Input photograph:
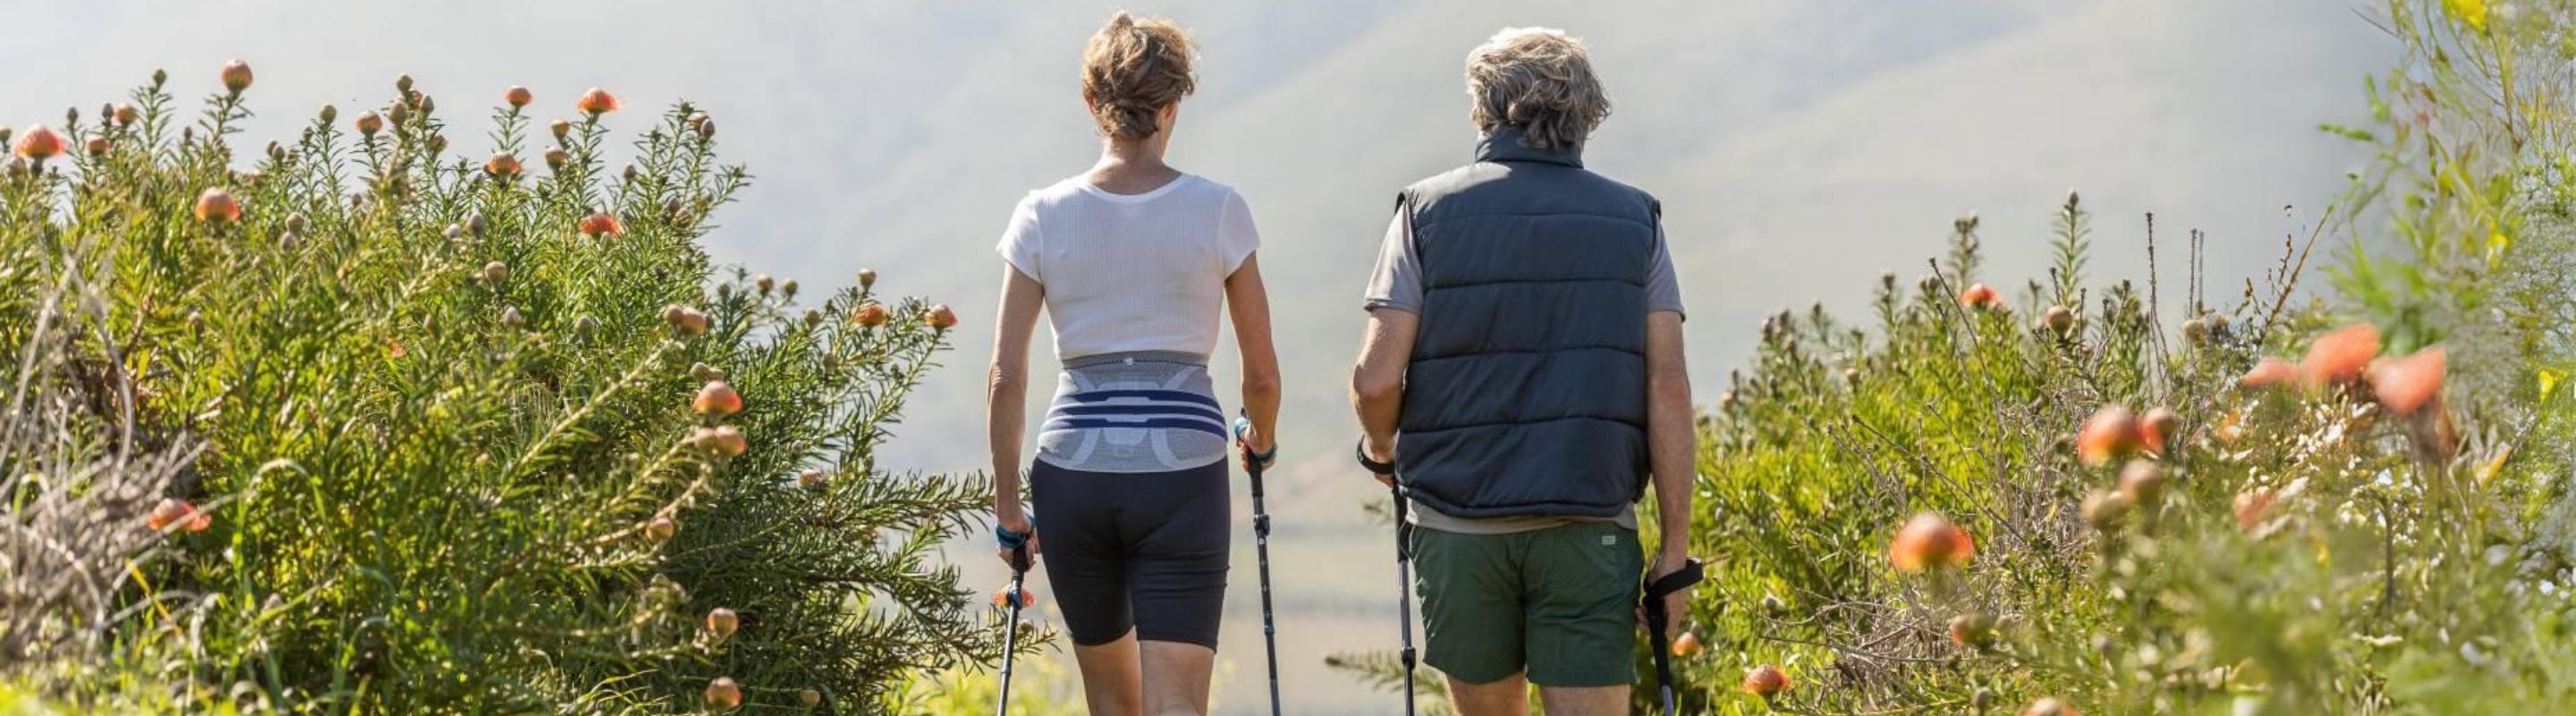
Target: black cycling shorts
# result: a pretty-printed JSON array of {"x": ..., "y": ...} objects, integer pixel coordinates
[{"x": 1147, "y": 551}]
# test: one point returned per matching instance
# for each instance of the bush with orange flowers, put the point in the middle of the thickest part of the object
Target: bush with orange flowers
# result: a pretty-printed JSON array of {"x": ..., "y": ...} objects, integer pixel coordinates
[
  {"x": 289, "y": 459},
  {"x": 2271, "y": 504}
]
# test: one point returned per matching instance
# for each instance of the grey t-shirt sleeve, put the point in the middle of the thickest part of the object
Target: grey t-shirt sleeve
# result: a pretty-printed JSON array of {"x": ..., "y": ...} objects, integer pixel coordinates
[
  {"x": 1397, "y": 282},
  {"x": 1663, "y": 290}
]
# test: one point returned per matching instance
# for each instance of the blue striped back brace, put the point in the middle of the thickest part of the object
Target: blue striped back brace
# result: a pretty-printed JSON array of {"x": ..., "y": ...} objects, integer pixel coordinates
[{"x": 1147, "y": 411}]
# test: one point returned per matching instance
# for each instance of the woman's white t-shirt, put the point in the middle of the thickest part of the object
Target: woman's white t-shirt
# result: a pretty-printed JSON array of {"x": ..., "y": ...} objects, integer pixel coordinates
[{"x": 1131, "y": 272}]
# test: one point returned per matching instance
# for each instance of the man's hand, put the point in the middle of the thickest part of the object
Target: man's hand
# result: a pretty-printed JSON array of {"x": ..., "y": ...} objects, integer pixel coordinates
[{"x": 1676, "y": 604}]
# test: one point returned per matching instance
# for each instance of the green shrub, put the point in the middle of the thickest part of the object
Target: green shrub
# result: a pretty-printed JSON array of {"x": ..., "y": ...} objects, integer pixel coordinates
[{"x": 443, "y": 415}]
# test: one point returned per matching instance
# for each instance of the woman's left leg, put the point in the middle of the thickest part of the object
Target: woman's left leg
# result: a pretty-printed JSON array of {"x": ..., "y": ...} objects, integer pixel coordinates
[{"x": 1177, "y": 573}]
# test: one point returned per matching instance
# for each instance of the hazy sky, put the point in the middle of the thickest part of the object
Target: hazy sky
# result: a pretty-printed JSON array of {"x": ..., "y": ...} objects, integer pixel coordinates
[{"x": 1800, "y": 147}]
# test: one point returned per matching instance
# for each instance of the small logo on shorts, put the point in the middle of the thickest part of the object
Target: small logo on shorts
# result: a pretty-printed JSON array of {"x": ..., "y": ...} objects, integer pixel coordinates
[{"x": 1609, "y": 540}]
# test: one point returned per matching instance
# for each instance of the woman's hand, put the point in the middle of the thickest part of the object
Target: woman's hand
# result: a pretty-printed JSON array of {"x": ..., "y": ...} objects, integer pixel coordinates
[
  {"x": 1018, "y": 524},
  {"x": 1255, "y": 450}
]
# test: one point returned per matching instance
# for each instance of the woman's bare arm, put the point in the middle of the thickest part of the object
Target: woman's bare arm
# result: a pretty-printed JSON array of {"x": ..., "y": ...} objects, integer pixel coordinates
[
  {"x": 1250, "y": 305},
  {"x": 1006, "y": 394}
]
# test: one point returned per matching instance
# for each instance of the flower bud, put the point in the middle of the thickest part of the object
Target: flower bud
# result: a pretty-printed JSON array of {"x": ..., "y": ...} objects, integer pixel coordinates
[
  {"x": 560, "y": 128},
  {"x": 427, "y": 105},
  {"x": 125, "y": 115},
  {"x": 217, "y": 206},
  {"x": 765, "y": 283},
  {"x": 661, "y": 529},
  {"x": 2105, "y": 511},
  {"x": 159, "y": 77},
  {"x": 723, "y": 694},
  {"x": 940, "y": 318},
  {"x": 369, "y": 123},
  {"x": 628, "y": 174},
  {"x": 236, "y": 76},
  {"x": 295, "y": 222},
  {"x": 2059, "y": 319},
  {"x": 787, "y": 288},
  {"x": 871, "y": 314},
  {"x": 510, "y": 317},
  {"x": 555, "y": 158},
  {"x": 867, "y": 278},
  {"x": 437, "y": 143},
  {"x": 496, "y": 272},
  {"x": 399, "y": 114},
  {"x": 717, "y": 399},
  {"x": 723, "y": 622},
  {"x": 97, "y": 146},
  {"x": 502, "y": 165},
  {"x": 474, "y": 223},
  {"x": 810, "y": 478},
  {"x": 517, "y": 96},
  {"x": 702, "y": 371},
  {"x": 810, "y": 698},
  {"x": 328, "y": 114}
]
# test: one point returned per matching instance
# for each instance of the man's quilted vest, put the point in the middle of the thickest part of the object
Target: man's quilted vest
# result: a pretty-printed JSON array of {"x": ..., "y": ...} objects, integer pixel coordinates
[{"x": 1526, "y": 392}]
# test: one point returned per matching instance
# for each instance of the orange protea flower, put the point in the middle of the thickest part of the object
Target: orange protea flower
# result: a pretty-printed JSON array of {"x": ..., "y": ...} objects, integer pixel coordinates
[
  {"x": 41, "y": 143},
  {"x": 2404, "y": 385},
  {"x": 2268, "y": 372},
  {"x": 599, "y": 224},
  {"x": 724, "y": 440},
  {"x": 173, "y": 511},
  {"x": 1765, "y": 681},
  {"x": 518, "y": 96},
  {"x": 125, "y": 115},
  {"x": 369, "y": 122},
  {"x": 596, "y": 101},
  {"x": 217, "y": 206},
  {"x": 236, "y": 76},
  {"x": 2112, "y": 433},
  {"x": 717, "y": 399},
  {"x": 1930, "y": 541},
  {"x": 2338, "y": 357},
  {"x": 98, "y": 146},
  {"x": 940, "y": 317},
  {"x": 2159, "y": 427},
  {"x": 502, "y": 164},
  {"x": 1687, "y": 645},
  {"x": 1981, "y": 296}
]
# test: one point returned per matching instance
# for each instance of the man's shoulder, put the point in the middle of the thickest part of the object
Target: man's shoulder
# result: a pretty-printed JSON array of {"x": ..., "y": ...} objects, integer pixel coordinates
[{"x": 1481, "y": 177}]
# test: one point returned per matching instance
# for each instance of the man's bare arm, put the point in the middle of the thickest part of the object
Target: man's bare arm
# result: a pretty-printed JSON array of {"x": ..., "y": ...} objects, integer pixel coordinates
[
  {"x": 1672, "y": 436},
  {"x": 1377, "y": 382}
]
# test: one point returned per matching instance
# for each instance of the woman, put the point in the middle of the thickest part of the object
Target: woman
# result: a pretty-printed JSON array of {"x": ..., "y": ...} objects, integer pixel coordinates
[{"x": 1132, "y": 261}]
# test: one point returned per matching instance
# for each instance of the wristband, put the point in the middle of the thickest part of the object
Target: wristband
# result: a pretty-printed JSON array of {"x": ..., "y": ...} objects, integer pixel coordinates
[
  {"x": 1243, "y": 426},
  {"x": 1013, "y": 540},
  {"x": 1360, "y": 450}
]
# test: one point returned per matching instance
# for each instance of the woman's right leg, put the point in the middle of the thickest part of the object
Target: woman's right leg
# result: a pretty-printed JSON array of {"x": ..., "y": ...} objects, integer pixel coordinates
[{"x": 1112, "y": 685}]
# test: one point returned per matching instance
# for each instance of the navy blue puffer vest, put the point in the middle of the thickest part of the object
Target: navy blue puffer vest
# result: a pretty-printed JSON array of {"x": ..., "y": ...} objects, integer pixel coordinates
[{"x": 1526, "y": 392}]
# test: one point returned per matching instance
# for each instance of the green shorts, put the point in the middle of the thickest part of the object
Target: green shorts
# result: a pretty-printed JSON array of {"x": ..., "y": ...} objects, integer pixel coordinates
[{"x": 1559, "y": 601}]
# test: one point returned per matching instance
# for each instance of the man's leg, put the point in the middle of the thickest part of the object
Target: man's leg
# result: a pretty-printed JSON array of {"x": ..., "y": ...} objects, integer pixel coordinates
[
  {"x": 1582, "y": 616},
  {"x": 1584, "y": 700},
  {"x": 1506, "y": 697},
  {"x": 1471, "y": 617}
]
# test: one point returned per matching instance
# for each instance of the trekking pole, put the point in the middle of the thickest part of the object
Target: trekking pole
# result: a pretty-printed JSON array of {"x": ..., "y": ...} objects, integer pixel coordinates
[
  {"x": 1018, "y": 596},
  {"x": 1403, "y": 565},
  {"x": 1254, "y": 465},
  {"x": 1655, "y": 591},
  {"x": 1404, "y": 595}
]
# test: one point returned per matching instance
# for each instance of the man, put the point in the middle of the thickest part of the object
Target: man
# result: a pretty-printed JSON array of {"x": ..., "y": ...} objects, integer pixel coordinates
[{"x": 1522, "y": 372}]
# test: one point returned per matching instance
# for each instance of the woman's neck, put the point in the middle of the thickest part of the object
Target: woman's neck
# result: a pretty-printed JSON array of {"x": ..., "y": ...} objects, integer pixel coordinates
[{"x": 1132, "y": 166}]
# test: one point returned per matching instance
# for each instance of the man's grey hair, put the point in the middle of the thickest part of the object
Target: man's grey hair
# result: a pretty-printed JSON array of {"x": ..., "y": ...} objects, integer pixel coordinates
[{"x": 1537, "y": 80}]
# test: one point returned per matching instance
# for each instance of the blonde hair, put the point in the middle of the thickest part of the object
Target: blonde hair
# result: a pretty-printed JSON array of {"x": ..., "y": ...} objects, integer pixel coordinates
[
  {"x": 1539, "y": 81},
  {"x": 1133, "y": 69}
]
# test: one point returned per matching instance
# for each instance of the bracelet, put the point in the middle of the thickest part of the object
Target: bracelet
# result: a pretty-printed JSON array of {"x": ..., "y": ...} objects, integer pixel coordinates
[{"x": 1360, "y": 450}]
